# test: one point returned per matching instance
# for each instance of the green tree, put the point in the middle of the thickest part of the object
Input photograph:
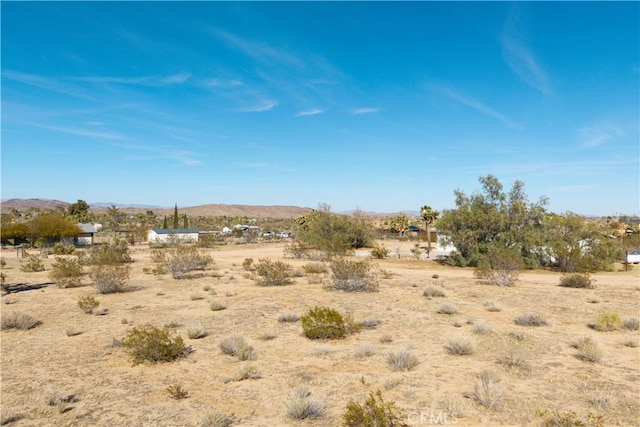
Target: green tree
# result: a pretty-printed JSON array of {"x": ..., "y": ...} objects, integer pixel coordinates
[
  {"x": 164, "y": 223},
  {"x": 51, "y": 228},
  {"x": 12, "y": 230},
  {"x": 79, "y": 211},
  {"x": 113, "y": 217},
  {"x": 175, "y": 216},
  {"x": 398, "y": 224},
  {"x": 185, "y": 221},
  {"x": 491, "y": 218},
  {"x": 429, "y": 216}
]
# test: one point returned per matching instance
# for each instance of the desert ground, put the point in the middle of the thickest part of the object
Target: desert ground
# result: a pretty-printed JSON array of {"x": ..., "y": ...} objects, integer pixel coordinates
[{"x": 72, "y": 354}]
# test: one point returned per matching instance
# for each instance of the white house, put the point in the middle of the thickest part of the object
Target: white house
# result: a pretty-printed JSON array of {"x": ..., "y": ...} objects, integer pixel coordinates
[{"x": 172, "y": 235}]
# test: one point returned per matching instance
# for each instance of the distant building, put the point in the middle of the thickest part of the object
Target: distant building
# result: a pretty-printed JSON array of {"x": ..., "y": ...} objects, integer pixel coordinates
[
  {"x": 172, "y": 235},
  {"x": 85, "y": 238}
]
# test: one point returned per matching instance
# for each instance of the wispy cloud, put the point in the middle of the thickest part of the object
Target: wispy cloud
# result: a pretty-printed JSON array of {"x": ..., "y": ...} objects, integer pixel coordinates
[
  {"x": 183, "y": 157},
  {"x": 365, "y": 110},
  {"x": 90, "y": 133},
  {"x": 218, "y": 82},
  {"x": 599, "y": 134},
  {"x": 140, "y": 80},
  {"x": 47, "y": 83},
  {"x": 259, "y": 107},
  {"x": 474, "y": 104},
  {"x": 258, "y": 50},
  {"x": 309, "y": 113},
  {"x": 520, "y": 58}
]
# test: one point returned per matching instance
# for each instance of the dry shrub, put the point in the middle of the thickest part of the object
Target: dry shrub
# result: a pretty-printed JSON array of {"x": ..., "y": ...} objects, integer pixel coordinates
[
  {"x": 447, "y": 308},
  {"x": 501, "y": 267},
  {"x": 315, "y": 268},
  {"x": 608, "y": 321},
  {"x": 569, "y": 419},
  {"x": 181, "y": 260},
  {"x": 323, "y": 323},
  {"x": 247, "y": 264},
  {"x": 88, "y": 304},
  {"x": 217, "y": 306},
  {"x": 177, "y": 392},
  {"x": 433, "y": 291},
  {"x": 18, "y": 320},
  {"x": 237, "y": 346},
  {"x": 577, "y": 280},
  {"x": 109, "y": 278},
  {"x": 402, "y": 360},
  {"x": 365, "y": 351},
  {"x": 216, "y": 419},
  {"x": 353, "y": 276},
  {"x": 588, "y": 350},
  {"x": 385, "y": 339},
  {"x": 272, "y": 273},
  {"x": 33, "y": 264},
  {"x": 492, "y": 305},
  {"x": 631, "y": 343},
  {"x": 531, "y": 319},
  {"x": 632, "y": 323},
  {"x": 515, "y": 359},
  {"x": 300, "y": 405},
  {"x": 487, "y": 392},
  {"x": 288, "y": 317},
  {"x": 66, "y": 272},
  {"x": 196, "y": 332},
  {"x": 460, "y": 346},
  {"x": 481, "y": 328},
  {"x": 247, "y": 372},
  {"x": 152, "y": 344}
]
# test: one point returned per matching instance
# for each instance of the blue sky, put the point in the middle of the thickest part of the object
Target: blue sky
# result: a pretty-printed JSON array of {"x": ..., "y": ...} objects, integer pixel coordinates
[{"x": 378, "y": 106}]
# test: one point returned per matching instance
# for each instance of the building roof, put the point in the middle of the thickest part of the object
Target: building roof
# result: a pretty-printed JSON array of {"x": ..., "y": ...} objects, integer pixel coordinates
[
  {"x": 174, "y": 230},
  {"x": 87, "y": 228},
  {"x": 414, "y": 228}
]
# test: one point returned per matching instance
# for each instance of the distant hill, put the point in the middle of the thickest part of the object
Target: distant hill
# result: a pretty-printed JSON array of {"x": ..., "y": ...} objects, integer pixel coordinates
[{"x": 250, "y": 211}]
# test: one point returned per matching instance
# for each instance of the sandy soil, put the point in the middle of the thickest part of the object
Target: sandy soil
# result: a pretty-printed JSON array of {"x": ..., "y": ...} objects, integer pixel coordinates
[{"x": 109, "y": 391}]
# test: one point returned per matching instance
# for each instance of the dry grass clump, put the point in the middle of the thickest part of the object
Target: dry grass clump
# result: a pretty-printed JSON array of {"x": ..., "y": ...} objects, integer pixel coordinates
[
  {"x": 492, "y": 305},
  {"x": 588, "y": 350},
  {"x": 315, "y": 268},
  {"x": 487, "y": 392},
  {"x": 272, "y": 273},
  {"x": 18, "y": 320},
  {"x": 216, "y": 419},
  {"x": 531, "y": 319},
  {"x": 237, "y": 346},
  {"x": 569, "y": 419},
  {"x": 247, "y": 372},
  {"x": 288, "y": 317},
  {"x": 217, "y": 306},
  {"x": 577, "y": 280},
  {"x": 608, "y": 321},
  {"x": 517, "y": 360},
  {"x": 631, "y": 343},
  {"x": 402, "y": 360},
  {"x": 196, "y": 296},
  {"x": 353, "y": 275},
  {"x": 460, "y": 346},
  {"x": 632, "y": 323},
  {"x": 365, "y": 351},
  {"x": 370, "y": 323},
  {"x": 481, "y": 328},
  {"x": 54, "y": 397},
  {"x": 447, "y": 308},
  {"x": 385, "y": 339},
  {"x": 433, "y": 291},
  {"x": 300, "y": 405},
  {"x": 196, "y": 333}
]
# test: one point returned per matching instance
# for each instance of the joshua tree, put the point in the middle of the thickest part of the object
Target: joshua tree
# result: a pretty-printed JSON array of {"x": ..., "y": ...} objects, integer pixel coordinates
[{"x": 428, "y": 216}]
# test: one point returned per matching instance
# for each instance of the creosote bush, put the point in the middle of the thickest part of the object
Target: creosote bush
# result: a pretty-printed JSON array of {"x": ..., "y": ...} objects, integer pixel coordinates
[
  {"x": 17, "y": 320},
  {"x": 66, "y": 272},
  {"x": 62, "y": 249},
  {"x": 113, "y": 253},
  {"x": 181, "y": 260},
  {"x": 110, "y": 278},
  {"x": 353, "y": 275},
  {"x": 32, "y": 264},
  {"x": 577, "y": 280},
  {"x": 323, "y": 323},
  {"x": 152, "y": 344},
  {"x": 88, "y": 304},
  {"x": 379, "y": 252},
  {"x": 272, "y": 273},
  {"x": 374, "y": 412}
]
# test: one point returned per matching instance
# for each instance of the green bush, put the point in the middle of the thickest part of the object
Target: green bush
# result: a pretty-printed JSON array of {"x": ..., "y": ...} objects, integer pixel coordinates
[
  {"x": 577, "y": 280},
  {"x": 323, "y": 323},
  {"x": 374, "y": 412},
  {"x": 272, "y": 273},
  {"x": 379, "y": 252},
  {"x": 353, "y": 276},
  {"x": 61, "y": 249},
  {"x": 32, "y": 265},
  {"x": 88, "y": 304},
  {"x": 66, "y": 272},
  {"x": 151, "y": 344}
]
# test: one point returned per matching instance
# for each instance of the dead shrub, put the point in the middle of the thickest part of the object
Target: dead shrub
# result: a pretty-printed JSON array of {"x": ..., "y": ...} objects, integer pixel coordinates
[
  {"x": 272, "y": 273},
  {"x": 353, "y": 276},
  {"x": 500, "y": 267},
  {"x": 110, "y": 278},
  {"x": 18, "y": 320}
]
